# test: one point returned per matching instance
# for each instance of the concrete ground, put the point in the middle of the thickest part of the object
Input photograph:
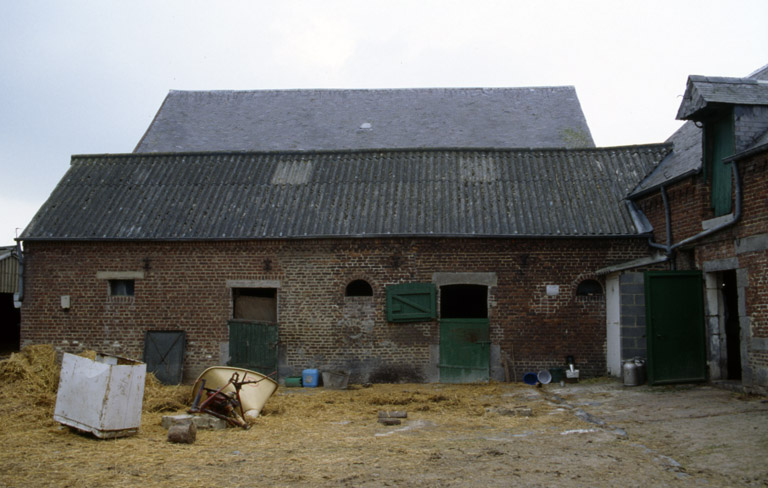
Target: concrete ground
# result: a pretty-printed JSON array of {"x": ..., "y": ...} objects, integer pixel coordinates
[{"x": 704, "y": 434}]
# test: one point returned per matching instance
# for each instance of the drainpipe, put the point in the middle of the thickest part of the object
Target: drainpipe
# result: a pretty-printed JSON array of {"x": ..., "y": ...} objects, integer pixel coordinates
[
  {"x": 18, "y": 297},
  {"x": 730, "y": 222},
  {"x": 669, "y": 248}
]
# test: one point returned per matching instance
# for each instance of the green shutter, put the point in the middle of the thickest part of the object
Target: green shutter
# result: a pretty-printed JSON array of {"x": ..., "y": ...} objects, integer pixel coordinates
[
  {"x": 411, "y": 302},
  {"x": 719, "y": 144}
]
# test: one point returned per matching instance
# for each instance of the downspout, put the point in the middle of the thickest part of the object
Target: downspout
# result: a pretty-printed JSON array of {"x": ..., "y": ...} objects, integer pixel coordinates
[
  {"x": 669, "y": 248},
  {"x": 18, "y": 297},
  {"x": 730, "y": 222}
]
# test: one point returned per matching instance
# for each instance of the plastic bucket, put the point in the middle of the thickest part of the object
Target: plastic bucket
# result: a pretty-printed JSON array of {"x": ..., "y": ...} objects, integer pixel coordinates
[
  {"x": 293, "y": 381},
  {"x": 310, "y": 378},
  {"x": 530, "y": 379},
  {"x": 335, "y": 380},
  {"x": 544, "y": 377}
]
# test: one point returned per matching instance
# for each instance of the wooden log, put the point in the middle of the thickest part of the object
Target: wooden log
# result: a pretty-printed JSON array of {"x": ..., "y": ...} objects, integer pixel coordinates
[{"x": 185, "y": 433}]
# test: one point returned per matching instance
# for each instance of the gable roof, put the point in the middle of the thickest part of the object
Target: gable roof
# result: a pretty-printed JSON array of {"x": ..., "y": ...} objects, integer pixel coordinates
[
  {"x": 279, "y": 120},
  {"x": 703, "y": 92},
  {"x": 459, "y": 192},
  {"x": 686, "y": 158}
]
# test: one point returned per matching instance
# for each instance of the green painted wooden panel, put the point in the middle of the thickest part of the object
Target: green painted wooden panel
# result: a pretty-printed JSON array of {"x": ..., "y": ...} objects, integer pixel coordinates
[
  {"x": 464, "y": 350},
  {"x": 675, "y": 327},
  {"x": 411, "y": 302},
  {"x": 719, "y": 144},
  {"x": 253, "y": 345}
]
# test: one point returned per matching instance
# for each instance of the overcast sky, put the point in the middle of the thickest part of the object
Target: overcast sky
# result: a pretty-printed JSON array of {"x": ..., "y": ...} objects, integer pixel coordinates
[{"x": 80, "y": 77}]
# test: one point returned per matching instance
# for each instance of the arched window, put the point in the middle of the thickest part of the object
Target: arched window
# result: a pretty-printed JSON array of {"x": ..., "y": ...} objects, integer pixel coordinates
[
  {"x": 359, "y": 288},
  {"x": 589, "y": 288}
]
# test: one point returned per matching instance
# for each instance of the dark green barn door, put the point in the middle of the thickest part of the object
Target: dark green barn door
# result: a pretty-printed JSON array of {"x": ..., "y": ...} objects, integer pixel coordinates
[
  {"x": 253, "y": 345},
  {"x": 164, "y": 354},
  {"x": 464, "y": 350},
  {"x": 675, "y": 327}
]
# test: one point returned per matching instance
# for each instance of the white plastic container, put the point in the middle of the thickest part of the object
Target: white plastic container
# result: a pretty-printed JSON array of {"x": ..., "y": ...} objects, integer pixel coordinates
[{"x": 103, "y": 397}]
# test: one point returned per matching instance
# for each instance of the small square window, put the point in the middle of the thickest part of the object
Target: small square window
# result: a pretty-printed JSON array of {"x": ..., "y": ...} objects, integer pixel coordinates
[{"x": 121, "y": 288}]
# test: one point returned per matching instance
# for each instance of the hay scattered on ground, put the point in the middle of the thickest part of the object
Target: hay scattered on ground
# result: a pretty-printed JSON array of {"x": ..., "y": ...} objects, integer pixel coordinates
[
  {"x": 30, "y": 380},
  {"x": 296, "y": 424},
  {"x": 162, "y": 398},
  {"x": 34, "y": 369}
]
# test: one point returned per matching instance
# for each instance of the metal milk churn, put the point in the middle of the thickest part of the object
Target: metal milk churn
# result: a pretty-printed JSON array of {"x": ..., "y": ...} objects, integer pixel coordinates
[{"x": 633, "y": 372}]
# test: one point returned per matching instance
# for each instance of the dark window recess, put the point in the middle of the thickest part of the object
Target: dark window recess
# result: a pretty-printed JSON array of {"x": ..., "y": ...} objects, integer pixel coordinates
[
  {"x": 464, "y": 302},
  {"x": 359, "y": 288},
  {"x": 121, "y": 288},
  {"x": 257, "y": 304},
  {"x": 589, "y": 288}
]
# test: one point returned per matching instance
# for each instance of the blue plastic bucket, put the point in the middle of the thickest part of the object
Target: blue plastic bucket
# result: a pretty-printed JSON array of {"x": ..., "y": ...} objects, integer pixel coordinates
[
  {"x": 530, "y": 378},
  {"x": 310, "y": 378}
]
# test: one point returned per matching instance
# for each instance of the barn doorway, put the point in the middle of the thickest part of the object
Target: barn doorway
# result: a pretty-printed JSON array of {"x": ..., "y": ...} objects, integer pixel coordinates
[
  {"x": 10, "y": 320},
  {"x": 729, "y": 318},
  {"x": 464, "y": 334},
  {"x": 253, "y": 329}
]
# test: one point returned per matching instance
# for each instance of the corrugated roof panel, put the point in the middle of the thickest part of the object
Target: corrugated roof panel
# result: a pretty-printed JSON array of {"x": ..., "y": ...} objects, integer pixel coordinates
[{"x": 365, "y": 193}]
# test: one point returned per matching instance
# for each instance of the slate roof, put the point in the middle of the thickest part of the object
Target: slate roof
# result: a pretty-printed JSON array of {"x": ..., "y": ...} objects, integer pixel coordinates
[
  {"x": 702, "y": 91},
  {"x": 683, "y": 161},
  {"x": 279, "y": 120},
  {"x": 686, "y": 158},
  {"x": 446, "y": 192}
]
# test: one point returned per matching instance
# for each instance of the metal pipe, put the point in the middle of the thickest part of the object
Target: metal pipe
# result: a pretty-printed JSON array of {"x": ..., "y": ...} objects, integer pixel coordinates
[
  {"x": 18, "y": 297},
  {"x": 733, "y": 220},
  {"x": 667, "y": 216},
  {"x": 669, "y": 248}
]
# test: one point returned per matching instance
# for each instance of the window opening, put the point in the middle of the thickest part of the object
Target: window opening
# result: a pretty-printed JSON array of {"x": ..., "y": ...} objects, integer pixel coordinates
[
  {"x": 121, "y": 288},
  {"x": 589, "y": 288},
  {"x": 464, "y": 302},
  {"x": 256, "y": 304},
  {"x": 359, "y": 288}
]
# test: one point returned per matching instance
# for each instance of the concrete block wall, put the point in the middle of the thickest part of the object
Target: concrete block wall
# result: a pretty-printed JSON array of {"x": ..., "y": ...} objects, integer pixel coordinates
[{"x": 632, "y": 291}]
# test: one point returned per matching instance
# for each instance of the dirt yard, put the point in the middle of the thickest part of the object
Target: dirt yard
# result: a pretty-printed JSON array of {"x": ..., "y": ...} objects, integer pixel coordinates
[{"x": 592, "y": 434}]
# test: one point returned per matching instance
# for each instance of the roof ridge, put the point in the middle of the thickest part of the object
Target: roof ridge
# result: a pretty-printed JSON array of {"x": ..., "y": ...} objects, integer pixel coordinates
[
  {"x": 378, "y": 150},
  {"x": 360, "y": 90}
]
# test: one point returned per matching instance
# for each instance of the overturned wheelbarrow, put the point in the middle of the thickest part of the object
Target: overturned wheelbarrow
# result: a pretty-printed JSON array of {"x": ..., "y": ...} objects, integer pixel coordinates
[{"x": 232, "y": 394}]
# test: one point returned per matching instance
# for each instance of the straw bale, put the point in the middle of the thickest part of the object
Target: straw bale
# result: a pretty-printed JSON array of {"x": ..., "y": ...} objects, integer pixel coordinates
[
  {"x": 33, "y": 370},
  {"x": 162, "y": 398}
]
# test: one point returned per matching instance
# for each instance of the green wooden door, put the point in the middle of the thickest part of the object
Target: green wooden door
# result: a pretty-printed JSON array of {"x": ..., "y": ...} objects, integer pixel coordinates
[
  {"x": 675, "y": 327},
  {"x": 464, "y": 350},
  {"x": 253, "y": 345}
]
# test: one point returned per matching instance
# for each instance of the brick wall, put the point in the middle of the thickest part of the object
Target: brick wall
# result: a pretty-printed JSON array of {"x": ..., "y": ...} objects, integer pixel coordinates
[
  {"x": 184, "y": 287},
  {"x": 742, "y": 247}
]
